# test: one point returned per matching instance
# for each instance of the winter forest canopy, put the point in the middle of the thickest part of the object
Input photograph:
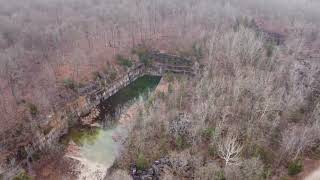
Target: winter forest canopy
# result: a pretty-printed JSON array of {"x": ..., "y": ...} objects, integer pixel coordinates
[{"x": 254, "y": 104}]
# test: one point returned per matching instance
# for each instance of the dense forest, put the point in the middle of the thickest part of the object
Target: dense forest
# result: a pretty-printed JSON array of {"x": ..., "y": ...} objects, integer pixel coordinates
[{"x": 253, "y": 106}]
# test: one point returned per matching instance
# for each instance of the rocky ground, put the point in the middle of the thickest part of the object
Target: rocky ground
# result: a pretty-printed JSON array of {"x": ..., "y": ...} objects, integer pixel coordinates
[{"x": 55, "y": 168}]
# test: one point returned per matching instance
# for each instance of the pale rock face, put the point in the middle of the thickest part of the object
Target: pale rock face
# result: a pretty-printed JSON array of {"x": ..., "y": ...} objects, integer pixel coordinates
[{"x": 314, "y": 176}]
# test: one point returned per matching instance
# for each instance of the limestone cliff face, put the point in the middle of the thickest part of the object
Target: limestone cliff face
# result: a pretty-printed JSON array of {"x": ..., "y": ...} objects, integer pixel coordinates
[
  {"x": 17, "y": 147},
  {"x": 59, "y": 123}
]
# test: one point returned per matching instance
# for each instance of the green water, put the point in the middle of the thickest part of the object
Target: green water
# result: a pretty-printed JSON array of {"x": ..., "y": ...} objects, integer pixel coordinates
[
  {"x": 97, "y": 144},
  {"x": 140, "y": 87},
  {"x": 102, "y": 149}
]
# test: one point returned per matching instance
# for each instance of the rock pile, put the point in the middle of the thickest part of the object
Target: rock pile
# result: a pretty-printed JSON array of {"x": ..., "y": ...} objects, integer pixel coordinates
[
  {"x": 153, "y": 173},
  {"x": 89, "y": 119}
]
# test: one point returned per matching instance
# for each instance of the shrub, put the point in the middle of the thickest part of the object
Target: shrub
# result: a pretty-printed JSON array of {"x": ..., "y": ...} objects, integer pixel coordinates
[
  {"x": 143, "y": 53},
  {"x": 141, "y": 50},
  {"x": 269, "y": 47},
  {"x": 295, "y": 167},
  {"x": 169, "y": 77},
  {"x": 146, "y": 60},
  {"x": 80, "y": 85},
  {"x": 252, "y": 169},
  {"x": 123, "y": 61},
  {"x": 47, "y": 130},
  {"x": 212, "y": 151},
  {"x": 181, "y": 142},
  {"x": 36, "y": 156},
  {"x": 110, "y": 71},
  {"x": 113, "y": 75},
  {"x": 161, "y": 95},
  {"x": 245, "y": 22},
  {"x": 316, "y": 152},
  {"x": 220, "y": 176},
  {"x": 142, "y": 162},
  {"x": 267, "y": 172},
  {"x": 69, "y": 83},
  {"x": 208, "y": 133},
  {"x": 33, "y": 109},
  {"x": 208, "y": 171},
  {"x": 22, "y": 154},
  {"x": 266, "y": 155},
  {"x": 197, "y": 51},
  {"x": 22, "y": 101},
  {"x": 296, "y": 115},
  {"x": 23, "y": 176},
  {"x": 96, "y": 75},
  {"x": 170, "y": 88},
  {"x": 285, "y": 178}
]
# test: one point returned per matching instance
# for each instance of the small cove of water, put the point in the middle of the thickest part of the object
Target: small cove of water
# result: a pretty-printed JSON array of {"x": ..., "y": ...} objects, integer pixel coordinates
[
  {"x": 101, "y": 149},
  {"x": 97, "y": 145}
]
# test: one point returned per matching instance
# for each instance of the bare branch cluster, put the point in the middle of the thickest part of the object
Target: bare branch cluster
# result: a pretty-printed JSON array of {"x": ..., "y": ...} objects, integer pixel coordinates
[{"x": 230, "y": 150}]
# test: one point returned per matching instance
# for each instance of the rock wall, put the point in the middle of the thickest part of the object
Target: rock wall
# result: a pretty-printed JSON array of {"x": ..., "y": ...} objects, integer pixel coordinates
[{"x": 162, "y": 63}]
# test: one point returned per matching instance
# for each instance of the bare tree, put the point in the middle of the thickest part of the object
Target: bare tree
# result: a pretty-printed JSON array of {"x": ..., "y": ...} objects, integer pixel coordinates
[
  {"x": 298, "y": 139},
  {"x": 230, "y": 150}
]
